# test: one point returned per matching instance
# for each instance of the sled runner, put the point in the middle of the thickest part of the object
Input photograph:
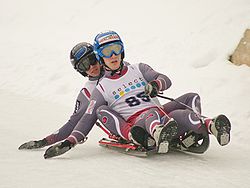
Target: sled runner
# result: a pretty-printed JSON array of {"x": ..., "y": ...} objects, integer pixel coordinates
[{"x": 127, "y": 148}]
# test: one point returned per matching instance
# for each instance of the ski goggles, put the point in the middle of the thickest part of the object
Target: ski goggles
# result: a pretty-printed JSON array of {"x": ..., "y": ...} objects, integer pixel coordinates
[
  {"x": 84, "y": 64},
  {"x": 108, "y": 50}
]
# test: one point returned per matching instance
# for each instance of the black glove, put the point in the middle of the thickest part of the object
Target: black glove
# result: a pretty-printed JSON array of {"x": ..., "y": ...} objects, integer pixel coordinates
[
  {"x": 152, "y": 88},
  {"x": 34, "y": 144},
  {"x": 58, "y": 149}
]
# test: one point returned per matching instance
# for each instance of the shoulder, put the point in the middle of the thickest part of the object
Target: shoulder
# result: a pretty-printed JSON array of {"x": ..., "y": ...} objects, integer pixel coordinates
[
  {"x": 90, "y": 83},
  {"x": 126, "y": 63},
  {"x": 144, "y": 67},
  {"x": 133, "y": 66},
  {"x": 139, "y": 65}
]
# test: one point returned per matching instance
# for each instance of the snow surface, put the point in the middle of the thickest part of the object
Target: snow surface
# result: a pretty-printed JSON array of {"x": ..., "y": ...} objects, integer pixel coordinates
[{"x": 187, "y": 40}]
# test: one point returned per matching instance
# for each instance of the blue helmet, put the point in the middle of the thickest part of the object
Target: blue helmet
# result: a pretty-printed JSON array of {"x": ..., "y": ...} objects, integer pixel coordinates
[{"x": 107, "y": 38}]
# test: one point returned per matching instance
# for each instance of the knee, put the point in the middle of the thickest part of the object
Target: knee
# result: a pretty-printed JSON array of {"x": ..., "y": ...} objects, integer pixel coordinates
[{"x": 192, "y": 96}]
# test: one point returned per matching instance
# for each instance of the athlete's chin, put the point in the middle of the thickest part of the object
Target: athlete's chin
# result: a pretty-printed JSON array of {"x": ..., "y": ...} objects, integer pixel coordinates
[
  {"x": 95, "y": 73},
  {"x": 115, "y": 64},
  {"x": 115, "y": 67}
]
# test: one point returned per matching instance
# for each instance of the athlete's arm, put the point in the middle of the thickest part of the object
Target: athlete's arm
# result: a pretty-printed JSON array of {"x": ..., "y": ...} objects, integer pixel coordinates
[
  {"x": 86, "y": 123},
  {"x": 149, "y": 74},
  {"x": 81, "y": 105}
]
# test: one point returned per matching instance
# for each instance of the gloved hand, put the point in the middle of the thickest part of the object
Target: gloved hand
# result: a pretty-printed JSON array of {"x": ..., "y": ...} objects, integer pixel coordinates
[
  {"x": 152, "y": 88},
  {"x": 58, "y": 149},
  {"x": 34, "y": 144}
]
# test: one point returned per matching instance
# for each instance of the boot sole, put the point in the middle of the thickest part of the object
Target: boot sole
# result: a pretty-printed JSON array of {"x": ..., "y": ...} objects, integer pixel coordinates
[
  {"x": 223, "y": 126},
  {"x": 167, "y": 134}
]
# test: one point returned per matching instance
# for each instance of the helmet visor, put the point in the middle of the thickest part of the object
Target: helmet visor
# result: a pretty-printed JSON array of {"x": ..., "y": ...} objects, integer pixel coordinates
[
  {"x": 84, "y": 63},
  {"x": 110, "y": 49}
]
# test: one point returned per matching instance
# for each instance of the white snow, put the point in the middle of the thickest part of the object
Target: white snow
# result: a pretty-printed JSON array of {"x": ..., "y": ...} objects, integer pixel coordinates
[{"x": 187, "y": 40}]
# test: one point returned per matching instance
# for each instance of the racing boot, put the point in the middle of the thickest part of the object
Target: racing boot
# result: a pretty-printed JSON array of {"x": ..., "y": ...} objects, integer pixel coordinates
[
  {"x": 220, "y": 127},
  {"x": 140, "y": 136},
  {"x": 163, "y": 134}
]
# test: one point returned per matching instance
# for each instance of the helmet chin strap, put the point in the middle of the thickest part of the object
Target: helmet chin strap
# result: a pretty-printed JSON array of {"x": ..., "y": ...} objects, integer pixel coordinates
[
  {"x": 117, "y": 71},
  {"x": 102, "y": 71}
]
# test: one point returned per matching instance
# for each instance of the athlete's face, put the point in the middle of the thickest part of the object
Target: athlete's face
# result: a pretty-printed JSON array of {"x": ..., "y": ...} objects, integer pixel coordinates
[
  {"x": 94, "y": 70},
  {"x": 113, "y": 62}
]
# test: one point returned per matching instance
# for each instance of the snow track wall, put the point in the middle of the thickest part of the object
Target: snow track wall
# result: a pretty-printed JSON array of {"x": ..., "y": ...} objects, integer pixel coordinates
[{"x": 241, "y": 54}]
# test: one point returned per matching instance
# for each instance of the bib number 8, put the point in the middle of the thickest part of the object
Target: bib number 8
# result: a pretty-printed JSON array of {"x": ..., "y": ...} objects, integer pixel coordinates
[{"x": 135, "y": 100}]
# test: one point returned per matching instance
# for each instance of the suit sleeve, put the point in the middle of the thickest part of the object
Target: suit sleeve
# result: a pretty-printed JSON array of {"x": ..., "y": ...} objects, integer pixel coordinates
[
  {"x": 149, "y": 74},
  {"x": 88, "y": 120},
  {"x": 81, "y": 105}
]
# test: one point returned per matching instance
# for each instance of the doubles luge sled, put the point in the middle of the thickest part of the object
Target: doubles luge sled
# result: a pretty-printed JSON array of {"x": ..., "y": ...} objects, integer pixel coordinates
[{"x": 189, "y": 142}]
